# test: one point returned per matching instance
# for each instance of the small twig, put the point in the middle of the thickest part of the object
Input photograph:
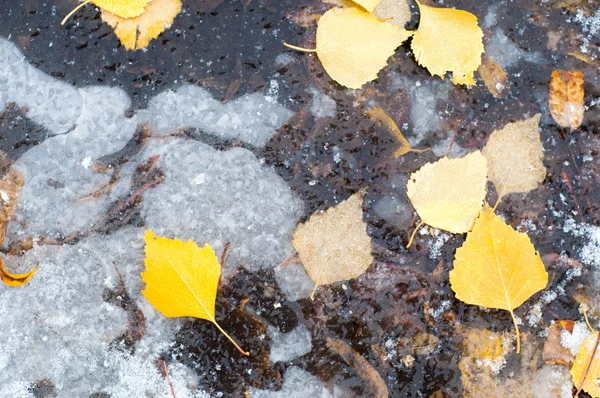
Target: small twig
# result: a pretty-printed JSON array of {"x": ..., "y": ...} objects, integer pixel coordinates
[
  {"x": 168, "y": 378},
  {"x": 224, "y": 254}
]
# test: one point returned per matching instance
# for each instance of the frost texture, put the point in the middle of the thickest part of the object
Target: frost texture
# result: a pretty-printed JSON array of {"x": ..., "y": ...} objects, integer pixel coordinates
[
  {"x": 52, "y": 103},
  {"x": 293, "y": 281},
  {"x": 286, "y": 347},
  {"x": 252, "y": 118},
  {"x": 59, "y": 326},
  {"x": 297, "y": 383}
]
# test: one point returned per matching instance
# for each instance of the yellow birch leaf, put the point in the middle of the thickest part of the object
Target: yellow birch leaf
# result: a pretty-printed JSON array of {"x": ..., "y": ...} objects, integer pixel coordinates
[
  {"x": 448, "y": 194},
  {"x": 515, "y": 155},
  {"x": 136, "y": 33},
  {"x": 334, "y": 246},
  {"x": 566, "y": 98},
  {"x": 379, "y": 116},
  {"x": 354, "y": 45},
  {"x": 497, "y": 267},
  {"x": 14, "y": 280},
  {"x": 121, "y": 8},
  {"x": 182, "y": 279},
  {"x": 396, "y": 12},
  {"x": 448, "y": 40},
  {"x": 368, "y": 5},
  {"x": 586, "y": 368}
]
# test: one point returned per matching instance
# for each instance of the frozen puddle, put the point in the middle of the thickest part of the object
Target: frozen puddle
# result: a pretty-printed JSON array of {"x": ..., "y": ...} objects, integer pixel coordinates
[{"x": 60, "y": 326}]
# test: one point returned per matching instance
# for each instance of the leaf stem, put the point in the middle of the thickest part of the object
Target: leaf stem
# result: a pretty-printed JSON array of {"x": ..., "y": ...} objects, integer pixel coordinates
[
  {"x": 74, "y": 11},
  {"x": 419, "y": 150},
  {"x": 312, "y": 294},
  {"x": 230, "y": 339},
  {"x": 587, "y": 321},
  {"x": 517, "y": 330},
  {"x": 412, "y": 236},
  {"x": 305, "y": 50},
  {"x": 497, "y": 203}
]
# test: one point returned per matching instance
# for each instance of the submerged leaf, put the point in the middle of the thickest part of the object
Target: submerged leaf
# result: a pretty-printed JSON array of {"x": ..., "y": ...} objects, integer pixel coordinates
[
  {"x": 354, "y": 45},
  {"x": 449, "y": 193},
  {"x": 334, "y": 246},
  {"x": 497, "y": 267},
  {"x": 396, "y": 12},
  {"x": 494, "y": 77},
  {"x": 136, "y": 33},
  {"x": 182, "y": 279},
  {"x": 14, "y": 280},
  {"x": 448, "y": 40},
  {"x": 566, "y": 98},
  {"x": 379, "y": 116},
  {"x": 515, "y": 155}
]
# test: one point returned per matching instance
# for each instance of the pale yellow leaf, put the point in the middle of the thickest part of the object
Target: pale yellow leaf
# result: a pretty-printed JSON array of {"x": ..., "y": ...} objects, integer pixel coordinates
[
  {"x": 182, "y": 279},
  {"x": 449, "y": 193},
  {"x": 497, "y": 267},
  {"x": 368, "y": 5},
  {"x": 448, "y": 40},
  {"x": 396, "y": 12},
  {"x": 334, "y": 246},
  {"x": 515, "y": 155},
  {"x": 354, "y": 45},
  {"x": 136, "y": 33},
  {"x": 586, "y": 368}
]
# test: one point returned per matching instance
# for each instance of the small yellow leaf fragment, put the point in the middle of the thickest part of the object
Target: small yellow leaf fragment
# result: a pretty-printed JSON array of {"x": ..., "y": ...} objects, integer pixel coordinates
[
  {"x": 497, "y": 267},
  {"x": 334, "y": 246},
  {"x": 379, "y": 116},
  {"x": 448, "y": 194},
  {"x": 368, "y": 5},
  {"x": 515, "y": 155},
  {"x": 566, "y": 98},
  {"x": 586, "y": 368},
  {"x": 494, "y": 77},
  {"x": 354, "y": 45},
  {"x": 14, "y": 280},
  {"x": 121, "y": 8},
  {"x": 448, "y": 40},
  {"x": 182, "y": 279},
  {"x": 136, "y": 33}
]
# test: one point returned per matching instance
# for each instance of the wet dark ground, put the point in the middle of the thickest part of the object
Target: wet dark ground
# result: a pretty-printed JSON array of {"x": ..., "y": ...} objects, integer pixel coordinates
[{"x": 222, "y": 44}]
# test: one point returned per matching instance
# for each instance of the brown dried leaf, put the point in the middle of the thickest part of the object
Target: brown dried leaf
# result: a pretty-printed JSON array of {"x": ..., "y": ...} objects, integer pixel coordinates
[
  {"x": 10, "y": 187},
  {"x": 554, "y": 352},
  {"x": 566, "y": 98},
  {"x": 334, "y": 246},
  {"x": 494, "y": 77}
]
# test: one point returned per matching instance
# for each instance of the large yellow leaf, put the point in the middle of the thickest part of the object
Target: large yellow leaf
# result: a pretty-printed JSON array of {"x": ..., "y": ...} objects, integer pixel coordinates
[
  {"x": 586, "y": 368},
  {"x": 448, "y": 40},
  {"x": 515, "y": 155},
  {"x": 449, "y": 193},
  {"x": 14, "y": 280},
  {"x": 122, "y": 8},
  {"x": 334, "y": 246},
  {"x": 182, "y": 279},
  {"x": 136, "y": 33},
  {"x": 497, "y": 267},
  {"x": 353, "y": 45}
]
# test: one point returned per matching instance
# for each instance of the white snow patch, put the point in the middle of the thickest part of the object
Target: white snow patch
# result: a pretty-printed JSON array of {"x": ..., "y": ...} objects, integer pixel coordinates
[
  {"x": 293, "y": 281},
  {"x": 297, "y": 383},
  {"x": 572, "y": 341},
  {"x": 252, "y": 118},
  {"x": 321, "y": 105},
  {"x": 289, "y": 346}
]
